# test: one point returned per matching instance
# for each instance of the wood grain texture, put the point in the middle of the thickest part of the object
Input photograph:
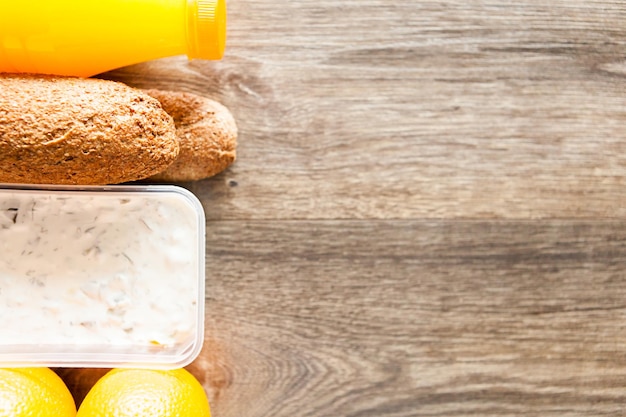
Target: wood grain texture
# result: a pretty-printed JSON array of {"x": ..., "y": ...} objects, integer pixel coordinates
[
  {"x": 375, "y": 109},
  {"x": 426, "y": 217},
  {"x": 429, "y": 318}
]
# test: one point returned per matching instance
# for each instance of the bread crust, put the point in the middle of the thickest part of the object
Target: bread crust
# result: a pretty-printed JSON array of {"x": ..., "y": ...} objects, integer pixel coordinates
[
  {"x": 65, "y": 130},
  {"x": 207, "y": 134}
]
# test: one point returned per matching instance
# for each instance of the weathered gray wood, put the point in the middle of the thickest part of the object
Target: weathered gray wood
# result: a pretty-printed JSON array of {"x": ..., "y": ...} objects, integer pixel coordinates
[
  {"x": 408, "y": 318},
  {"x": 378, "y": 109}
]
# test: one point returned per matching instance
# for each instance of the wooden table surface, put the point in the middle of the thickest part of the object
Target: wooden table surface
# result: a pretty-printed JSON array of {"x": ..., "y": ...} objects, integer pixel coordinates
[{"x": 426, "y": 213}]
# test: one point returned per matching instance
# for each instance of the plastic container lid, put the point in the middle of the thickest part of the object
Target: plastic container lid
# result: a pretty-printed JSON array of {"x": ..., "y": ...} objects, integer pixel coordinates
[{"x": 101, "y": 276}]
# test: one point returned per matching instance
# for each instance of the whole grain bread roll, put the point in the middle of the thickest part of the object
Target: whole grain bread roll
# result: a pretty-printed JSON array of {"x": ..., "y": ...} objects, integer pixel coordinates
[
  {"x": 207, "y": 133},
  {"x": 63, "y": 130}
]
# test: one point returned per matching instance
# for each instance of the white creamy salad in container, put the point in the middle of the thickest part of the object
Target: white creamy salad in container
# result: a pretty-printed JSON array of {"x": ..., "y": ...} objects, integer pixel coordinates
[{"x": 101, "y": 276}]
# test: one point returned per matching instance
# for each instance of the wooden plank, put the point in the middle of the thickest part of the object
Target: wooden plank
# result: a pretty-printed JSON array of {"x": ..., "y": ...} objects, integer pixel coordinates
[
  {"x": 456, "y": 109},
  {"x": 415, "y": 318}
]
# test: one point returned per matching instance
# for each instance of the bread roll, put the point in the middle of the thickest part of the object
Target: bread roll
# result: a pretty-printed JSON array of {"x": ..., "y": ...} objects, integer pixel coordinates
[
  {"x": 207, "y": 134},
  {"x": 63, "y": 130}
]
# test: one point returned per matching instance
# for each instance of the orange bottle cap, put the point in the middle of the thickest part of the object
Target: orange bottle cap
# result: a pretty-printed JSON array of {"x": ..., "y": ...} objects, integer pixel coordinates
[{"x": 207, "y": 29}]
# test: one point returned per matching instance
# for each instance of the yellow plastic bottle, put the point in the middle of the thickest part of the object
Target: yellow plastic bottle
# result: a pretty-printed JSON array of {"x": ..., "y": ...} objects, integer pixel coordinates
[{"x": 87, "y": 37}]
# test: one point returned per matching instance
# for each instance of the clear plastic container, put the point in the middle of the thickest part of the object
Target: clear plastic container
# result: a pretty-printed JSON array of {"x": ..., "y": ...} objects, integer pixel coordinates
[{"x": 101, "y": 277}]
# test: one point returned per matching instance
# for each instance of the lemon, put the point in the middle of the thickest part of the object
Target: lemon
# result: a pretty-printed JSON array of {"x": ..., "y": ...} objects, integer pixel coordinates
[
  {"x": 146, "y": 393},
  {"x": 34, "y": 392}
]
